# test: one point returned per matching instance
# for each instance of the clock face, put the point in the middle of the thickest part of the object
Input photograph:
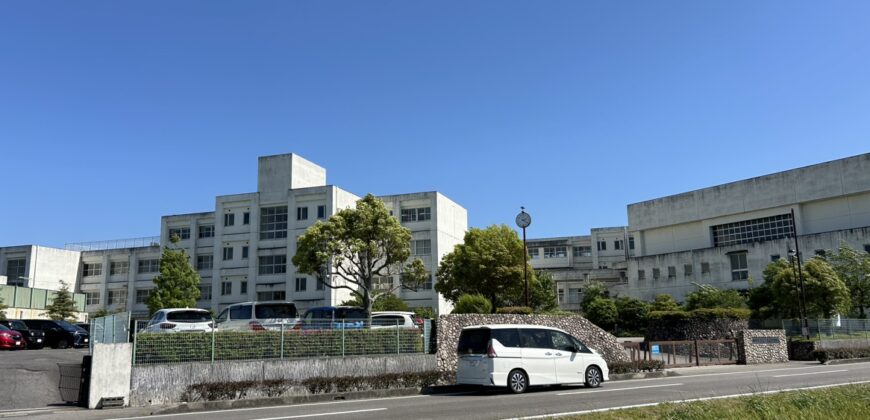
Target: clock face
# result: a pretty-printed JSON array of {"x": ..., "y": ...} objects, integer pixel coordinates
[{"x": 524, "y": 220}]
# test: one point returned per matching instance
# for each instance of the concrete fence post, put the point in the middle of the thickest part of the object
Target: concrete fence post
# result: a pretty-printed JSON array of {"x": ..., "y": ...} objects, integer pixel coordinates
[
  {"x": 212, "y": 344},
  {"x": 282, "y": 340}
]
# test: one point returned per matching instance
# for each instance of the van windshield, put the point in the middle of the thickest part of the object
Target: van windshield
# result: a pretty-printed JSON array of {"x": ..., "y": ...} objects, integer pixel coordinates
[
  {"x": 473, "y": 341},
  {"x": 276, "y": 310}
]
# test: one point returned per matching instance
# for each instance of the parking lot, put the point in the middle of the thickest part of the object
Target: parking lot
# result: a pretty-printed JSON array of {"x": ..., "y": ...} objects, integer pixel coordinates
[{"x": 30, "y": 377}]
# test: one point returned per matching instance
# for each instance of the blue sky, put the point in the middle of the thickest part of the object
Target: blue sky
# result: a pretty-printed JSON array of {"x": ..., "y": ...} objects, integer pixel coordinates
[{"x": 115, "y": 113}]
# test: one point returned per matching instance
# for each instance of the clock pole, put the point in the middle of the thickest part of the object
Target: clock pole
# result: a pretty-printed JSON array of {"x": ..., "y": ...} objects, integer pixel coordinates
[{"x": 523, "y": 221}]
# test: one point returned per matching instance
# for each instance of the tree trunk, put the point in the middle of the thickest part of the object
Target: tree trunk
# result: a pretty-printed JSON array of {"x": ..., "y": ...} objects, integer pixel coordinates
[
  {"x": 367, "y": 304},
  {"x": 492, "y": 302}
]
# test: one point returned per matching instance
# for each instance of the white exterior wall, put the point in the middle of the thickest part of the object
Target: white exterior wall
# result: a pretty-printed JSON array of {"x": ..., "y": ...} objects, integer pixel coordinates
[{"x": 45, "y": 267}]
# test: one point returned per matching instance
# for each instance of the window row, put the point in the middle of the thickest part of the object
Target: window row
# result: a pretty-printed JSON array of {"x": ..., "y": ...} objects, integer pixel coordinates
[
  {"x": 121, "y": 267},
  {"x": 416, "y": 214},
  {"x": 755, "y": 230},
  {"x": 738, "y": 263}
]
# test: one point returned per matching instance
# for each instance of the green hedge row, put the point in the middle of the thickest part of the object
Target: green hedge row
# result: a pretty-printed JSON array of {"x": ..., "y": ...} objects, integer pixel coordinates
[
  {"x": 824, "y": 355},
  {"x": 636, "y": 366},
  {"x": 237, "y": 345},
  {"x": 700, "y": 314}
]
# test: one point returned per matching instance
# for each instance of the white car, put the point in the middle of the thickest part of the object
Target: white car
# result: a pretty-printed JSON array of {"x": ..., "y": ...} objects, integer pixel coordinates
[
  {"x": 180, "y": 320},
  {"x": 519, "y": 356},
  {"x": 258, "y": 316},
  {"x": 387, "y": 319}
]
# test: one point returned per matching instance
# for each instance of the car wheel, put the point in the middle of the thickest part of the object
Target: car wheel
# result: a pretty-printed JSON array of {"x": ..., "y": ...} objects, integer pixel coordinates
[
  {"x": 518, "y": 381},
  {"x": 62, "y": 343},
  {"x": 593, "y": 377}
]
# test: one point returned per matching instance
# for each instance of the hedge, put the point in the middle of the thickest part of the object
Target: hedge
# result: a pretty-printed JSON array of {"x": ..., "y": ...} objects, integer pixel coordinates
[
  {"x": 824, "y": 355},
  {"x": 239, "y": 345},
  {"x": 636, "y": 366},
  {"x": 522, "y": 310},
  {"x": 701, "y": 314}
]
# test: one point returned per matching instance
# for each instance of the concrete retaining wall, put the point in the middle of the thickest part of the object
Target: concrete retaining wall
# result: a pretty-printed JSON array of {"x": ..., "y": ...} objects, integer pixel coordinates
[
  {"x": 110, "y": 372},
  {"x": 165, "y": 383}
]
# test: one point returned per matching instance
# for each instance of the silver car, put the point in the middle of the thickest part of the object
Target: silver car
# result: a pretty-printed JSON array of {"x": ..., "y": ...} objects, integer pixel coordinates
[{"x": 180, "y": 320}]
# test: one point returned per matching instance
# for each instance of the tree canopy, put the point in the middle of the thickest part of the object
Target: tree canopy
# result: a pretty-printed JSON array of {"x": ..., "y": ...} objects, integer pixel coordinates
[
  {"x": 595, "y": 290},
  {"x": 384, "y": 302},
  {"x": 853, "y": 267},
  {"x": 177, "y": 285},
  {"x": 709, "y": 296},
  {"x": 826, "y": 295},
  {"x": 357, "y": 245},
  {"x": 63, "y": 307},
  {"x": 664, "y": 302},
  {"x": 602, "y": 312},
  {"x": 3, "y": 309},
  {"x": 472, "y": 304}
]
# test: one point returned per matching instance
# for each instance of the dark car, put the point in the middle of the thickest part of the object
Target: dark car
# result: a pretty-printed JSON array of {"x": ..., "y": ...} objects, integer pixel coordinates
[
  {"x": 333, "y": 318},
  {"x": 84, "y": 325},
  {"x": 35, "y": 339},
  {"x": 60, "y": 334},
  {"x": 10, "y": 339}
]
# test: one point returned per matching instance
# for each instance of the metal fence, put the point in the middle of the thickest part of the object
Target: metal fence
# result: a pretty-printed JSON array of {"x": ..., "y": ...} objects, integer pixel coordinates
[
  {"x": 153, "y": 344},
  {"x": 828, "y": 329},
  {"x": 684, "y": 353},
  {"x": 113, "y": 328}
]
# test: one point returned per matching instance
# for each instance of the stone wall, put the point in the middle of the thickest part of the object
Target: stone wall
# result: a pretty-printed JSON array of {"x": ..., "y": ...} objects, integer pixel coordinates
[
  {"x": 449, "y": 327},
  {"x": 762, "y": 346},
  {"x": 695, "y": 329},
  {"x": 166, "y": 383}
]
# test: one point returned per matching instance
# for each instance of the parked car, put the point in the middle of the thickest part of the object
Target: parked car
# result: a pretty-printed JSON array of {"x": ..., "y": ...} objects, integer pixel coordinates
[
  {"x": 84, "y": 325},
  {"x": 387, "y": 319},
  {"x": 334, "y": 317},
  {"x": 34, "y": 339},
  {"x": 180, "y": 320},
  {"x": 519, "y": 356},
  {"x": 258, "y": 316},
  {"x": 10, "y": 339},
  {"x": 59, "y": 334}
]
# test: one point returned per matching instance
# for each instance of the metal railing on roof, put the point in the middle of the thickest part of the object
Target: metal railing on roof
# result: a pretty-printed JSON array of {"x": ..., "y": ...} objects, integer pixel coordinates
[{"x": 114, "y": 244}]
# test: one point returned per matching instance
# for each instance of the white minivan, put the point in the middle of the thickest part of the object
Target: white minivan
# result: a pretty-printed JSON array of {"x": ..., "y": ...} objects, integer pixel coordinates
[
  {"x": 519, "y": 356},
  {"x": 258, "y": 316}
]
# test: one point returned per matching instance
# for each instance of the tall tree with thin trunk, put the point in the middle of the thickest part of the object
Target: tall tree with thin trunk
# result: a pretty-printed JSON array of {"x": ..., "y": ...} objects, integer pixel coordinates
[{"x": 177, "y": 285}]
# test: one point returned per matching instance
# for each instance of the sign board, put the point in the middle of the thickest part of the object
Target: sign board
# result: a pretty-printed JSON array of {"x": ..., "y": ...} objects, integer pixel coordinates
[
  {"x": 765, "y": 340},
  {"x": 655, "y": 349}
]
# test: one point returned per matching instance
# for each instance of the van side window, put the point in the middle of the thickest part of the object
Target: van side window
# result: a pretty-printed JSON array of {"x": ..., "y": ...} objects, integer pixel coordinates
[
  {"x": 508, "y": 337},
  {"x": 240, "y": 312},
  {"x": 535, "y": 338},
  {"x": 561, "y": 341},
  {"x": 580, "y": 346},
  {"x": 223, "y": 316}
]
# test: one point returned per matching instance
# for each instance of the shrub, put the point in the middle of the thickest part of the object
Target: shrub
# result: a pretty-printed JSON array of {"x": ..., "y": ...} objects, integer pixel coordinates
[
  {"x": 636, "y": 366},
  {"x": 602, "y": 312},
  {"x": 522, "y": 310},
  {"x": 702, "y": 314},
  {"x": 823, "y": 355},
  {"x": 472, "y": 304}
]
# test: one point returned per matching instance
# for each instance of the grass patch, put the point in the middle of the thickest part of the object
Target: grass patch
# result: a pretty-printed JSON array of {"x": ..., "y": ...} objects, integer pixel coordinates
[{"x": 843, "y": 402}]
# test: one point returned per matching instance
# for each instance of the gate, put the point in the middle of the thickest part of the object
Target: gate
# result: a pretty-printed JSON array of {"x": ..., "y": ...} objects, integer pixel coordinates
[{"x": 685, "y": 353}]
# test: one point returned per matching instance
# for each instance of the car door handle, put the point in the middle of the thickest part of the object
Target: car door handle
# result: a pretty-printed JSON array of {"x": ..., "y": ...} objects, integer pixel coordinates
[
  {"x": 548, "y": 354},
  {"x": 558, "y": 354}
]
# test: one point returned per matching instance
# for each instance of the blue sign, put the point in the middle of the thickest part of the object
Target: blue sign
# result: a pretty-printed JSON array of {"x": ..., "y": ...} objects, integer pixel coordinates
[{"x": 655, "y": 349}]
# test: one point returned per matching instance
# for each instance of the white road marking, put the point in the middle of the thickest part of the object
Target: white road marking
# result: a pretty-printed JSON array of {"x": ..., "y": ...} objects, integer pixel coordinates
[
  {"x": 684, "y": 377},
  {"x": 197, "y": 413},
  {"x": 718, "y": 397},
  {"x": 335, "y": 413},
  {"x": 810, "y": 373},
  {"x": 616, "y": 389}
]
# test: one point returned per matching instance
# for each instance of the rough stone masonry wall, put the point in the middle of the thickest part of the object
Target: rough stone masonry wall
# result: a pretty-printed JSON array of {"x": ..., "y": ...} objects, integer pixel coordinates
[
  {"x": 753, "y": 351},
  {"x": 449, "y": 327},
  {"x": 695, "y": 329}
]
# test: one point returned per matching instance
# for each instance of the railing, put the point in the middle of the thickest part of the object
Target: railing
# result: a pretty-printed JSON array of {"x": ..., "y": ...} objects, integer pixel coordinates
[
  {"x": 153, "y": 345},
  {"x": 684, "y": 353},
  {"x": 113, "y": 244},
  {"x": 829, "y": 329}
]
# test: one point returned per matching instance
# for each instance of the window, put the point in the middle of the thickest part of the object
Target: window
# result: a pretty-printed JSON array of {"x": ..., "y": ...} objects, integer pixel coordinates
[
  {"x": 426, "y": 285},
  {"x": 244, "y": 288},
  {"x": 228, "y": 253},
  {"x": 117, "y": 297},
  {"x": 574, "y": 295},
  {"x": 226, "y": 288},
  {"x": 821, "y": 253},
  {"x": 319, "y": 284},
  {"x": 204, "y": 262},
  {"x": 656, "y": 273},
  {"x": 119, "y": 267},
  {"x": 631, "y": 242},
  {"x": 301, "y": 213},
  {"x": 245, "y": 252},
  {"x": 672, "y": 272},
  {"x": 142, "y": 295},
  {"x": 535, "y": 338},
  {"x": 705, "y": 268},
  {"x": 421, "y": 247},
  {"x": 273, "y": 264},
  {"x": 204, "y": 292},
  {"x": 533, "y": 253},
  {"x": 774, "y": 258},
  {"x": 94, "y": 269},
  {"x": 206, "y": 231},
  {"x": 641, "y": 275},
  {"x": 687, "y": 270},
  {"x": 582, "y": 251},
  {"x": 148, "y": 266},
  {"x": 755, "y": 230},
  {"x": 15, "y": 270},
  {"x": 382, "y": 283},
  {"x": 867, "y": 248},
  {"x": 561, "y": 296},
  {"x": 246, "y": 218},
  {"x": 242, "y": 312},
  {"x": 92, "y": 298},
  {"x": 321, "y": 212},
  {"x": 273, "y": 222},
  {"x": 416, "y": 214},
  {"x": 739, "y": 267},
  {"x": 617, "y": 244},
  {"x": 301, "y": 284},
  {"x": 182, "y": 233},
  {"x": 602, "y": 245},
  {"x": 555, "y": 252},
  {"x": 508, "y": 337},
  {"x": 229, "y": 219},
  {"x": 277, "y": 295}
]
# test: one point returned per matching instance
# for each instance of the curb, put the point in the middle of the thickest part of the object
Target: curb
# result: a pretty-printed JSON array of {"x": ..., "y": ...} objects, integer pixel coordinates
[
  {"x": 642, "y": 375},
  {"x": 847, "y": 361}
]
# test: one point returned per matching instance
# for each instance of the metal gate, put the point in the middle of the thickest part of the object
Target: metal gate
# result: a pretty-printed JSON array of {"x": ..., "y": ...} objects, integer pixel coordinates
[
  {"x": 74, "y": 383},
  {"x": 684, "y": 353}
]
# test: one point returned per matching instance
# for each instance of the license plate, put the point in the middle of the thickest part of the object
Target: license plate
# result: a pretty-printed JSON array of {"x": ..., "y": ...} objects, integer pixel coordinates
[
  {"x": 38, "y": 340},
  {"x": 17, "y": 343}
]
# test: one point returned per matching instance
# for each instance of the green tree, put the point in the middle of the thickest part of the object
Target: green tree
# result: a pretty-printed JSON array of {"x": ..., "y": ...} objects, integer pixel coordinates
[
  {"x": 3, "y": 309},
  {"x": 384, "y": 302},
  {"x": 602, "y": 312},
  {"x": 594, "y": 291},
  {"x": 853, "y": 267},
  {"x": 542, "y": 293},
  {"x": 664, "y": 302},
  {"x": 354, "y": 246},
  {"x": 632, "y": 314},
  {"x": 489, "y": 262},
  {"x": 472, "y": 304},
  {"x": 63, "y": 307},
  {"x": 709, "y": 296},
  {"x": 100, "y": 313},
  {"x": 177, "y": 285},
  {"x": 826, "y": 295}
]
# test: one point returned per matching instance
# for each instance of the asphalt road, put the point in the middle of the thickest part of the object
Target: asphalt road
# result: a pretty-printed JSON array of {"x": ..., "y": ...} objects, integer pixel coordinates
[
  {"x": 695, "y": 383},
  {"x": 29, "y": 378}
]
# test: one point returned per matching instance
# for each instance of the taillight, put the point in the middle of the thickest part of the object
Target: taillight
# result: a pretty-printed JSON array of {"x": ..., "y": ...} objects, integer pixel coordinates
[
  {"x": 490, "y": 352},
  {"x": 256, "y": 326},
  {"x": 418, "y": 321},
  {"x": 167, "y": 326},
  {"x": 298, "y": 326}
]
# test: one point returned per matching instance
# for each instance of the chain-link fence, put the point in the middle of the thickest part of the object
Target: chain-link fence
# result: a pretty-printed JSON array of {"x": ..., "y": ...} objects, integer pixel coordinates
[
  {"x": 828, "y": 329},
  {"x": 153, "y": 344},
  {"x": 113, "y": 328}
]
